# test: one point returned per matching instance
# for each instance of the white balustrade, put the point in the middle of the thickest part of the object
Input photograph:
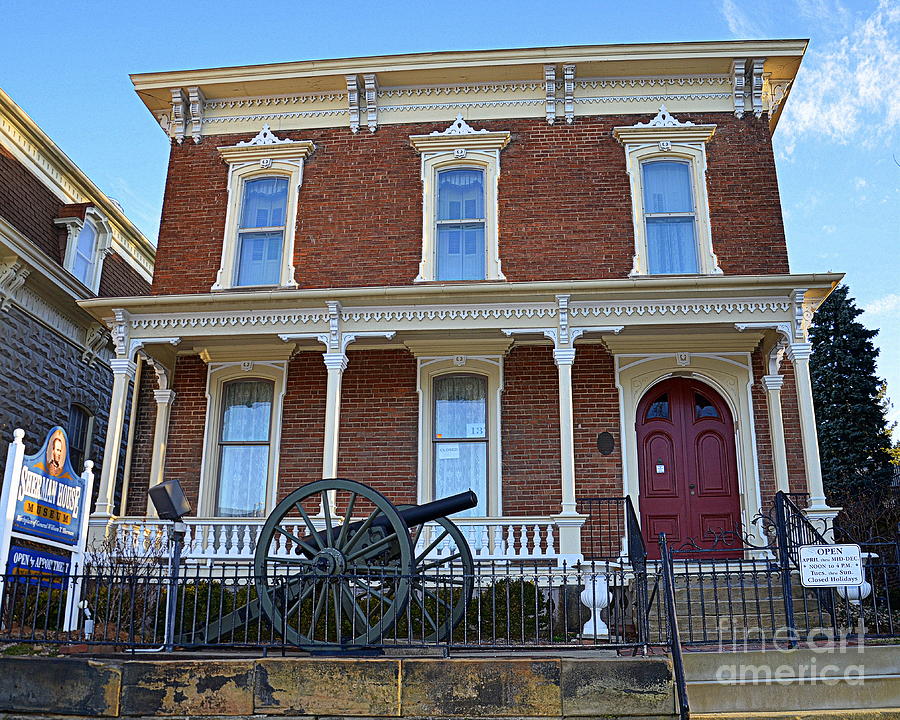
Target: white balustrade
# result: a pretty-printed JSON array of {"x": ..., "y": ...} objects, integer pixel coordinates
[{"x": 235, "y": 539}]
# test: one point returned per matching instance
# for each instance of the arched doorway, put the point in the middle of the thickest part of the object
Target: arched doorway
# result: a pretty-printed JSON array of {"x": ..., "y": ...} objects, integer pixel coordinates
[{"x": 687, "y": 465}]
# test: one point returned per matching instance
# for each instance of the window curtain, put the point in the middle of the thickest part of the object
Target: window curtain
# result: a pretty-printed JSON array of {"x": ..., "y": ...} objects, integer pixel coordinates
[
  {"x": 460, "y": 252},
  {"x": 244, "y": 467},
  {"x": 259, "y": 258},
  {"x": 259, "y": 253},
  {"x": 671, "y": 241},
  {"x": 461, "y": 195},
  {"x": 460, "y": 412},
  {"x": 265, "y": 201},
  {"x": 460, "y": 246},
  {"x": 671, "y": 245}
]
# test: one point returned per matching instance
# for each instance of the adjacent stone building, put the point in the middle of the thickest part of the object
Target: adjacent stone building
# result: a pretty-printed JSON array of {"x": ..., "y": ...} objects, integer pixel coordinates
[
  {"x": 62, "y": 240},
  {"x": 547, "y": 275}
]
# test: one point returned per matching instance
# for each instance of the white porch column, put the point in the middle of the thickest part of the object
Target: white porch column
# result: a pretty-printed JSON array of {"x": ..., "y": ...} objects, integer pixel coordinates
[
  {"x": 335, "y": 364},
  {"x": 123, "y": 372},
  {"x": 164, "y": 400},
  {"x": 772, "y": 384},
  {"x": 568, "y": 521},
  {"x": 799, "y": 353}
]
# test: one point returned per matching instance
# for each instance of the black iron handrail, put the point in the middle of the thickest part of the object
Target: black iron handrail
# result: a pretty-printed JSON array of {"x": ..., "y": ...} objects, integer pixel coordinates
[
  {"x": 684, "y": 709},
  {"x": 637, "y": 557}
]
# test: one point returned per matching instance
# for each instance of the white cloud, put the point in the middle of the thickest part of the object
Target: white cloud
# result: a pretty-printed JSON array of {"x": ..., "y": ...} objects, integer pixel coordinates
[
  {"x": 884, "y": 305},
  {"x": 851, "y": 84},
  {"x": 860, "y": 182},
  {"x": 739, "y": 22},
  {"x": 829, "y": 229}
]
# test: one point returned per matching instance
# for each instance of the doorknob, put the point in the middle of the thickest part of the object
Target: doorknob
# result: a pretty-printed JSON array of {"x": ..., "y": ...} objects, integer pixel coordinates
[{"x": 691, "y": 487}]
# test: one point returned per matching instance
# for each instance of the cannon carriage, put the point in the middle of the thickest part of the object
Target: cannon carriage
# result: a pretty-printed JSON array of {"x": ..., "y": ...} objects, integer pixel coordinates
[{"x": 338, "y": 564}]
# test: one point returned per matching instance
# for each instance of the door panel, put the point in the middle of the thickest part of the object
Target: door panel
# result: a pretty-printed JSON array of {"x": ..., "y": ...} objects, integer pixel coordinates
[
  {"x": 687, "y": 466},
  {"x": 713, "y": 475},
  {"x": 660, "y": 459}
]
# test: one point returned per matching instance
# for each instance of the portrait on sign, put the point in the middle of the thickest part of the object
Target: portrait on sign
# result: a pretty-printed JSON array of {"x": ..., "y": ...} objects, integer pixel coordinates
[{"x": 56, "y": 453}]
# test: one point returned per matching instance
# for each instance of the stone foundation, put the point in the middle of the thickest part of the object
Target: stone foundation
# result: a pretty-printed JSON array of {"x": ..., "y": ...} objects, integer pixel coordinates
[{"x": 534, "y": 687}]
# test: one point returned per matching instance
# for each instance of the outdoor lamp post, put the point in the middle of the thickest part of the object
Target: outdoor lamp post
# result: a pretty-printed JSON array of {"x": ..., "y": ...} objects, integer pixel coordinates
[{"x": 170, "y": 503}]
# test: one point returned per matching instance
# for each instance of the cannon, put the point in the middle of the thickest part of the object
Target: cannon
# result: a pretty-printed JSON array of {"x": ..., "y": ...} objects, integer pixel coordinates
[{"x": 366, "y": 568}]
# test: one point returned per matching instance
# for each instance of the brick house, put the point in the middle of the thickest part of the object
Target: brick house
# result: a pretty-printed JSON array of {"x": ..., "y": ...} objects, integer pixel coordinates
[
  {"x": 62, "y": 240},
  {"x": 547, "y": 275}
]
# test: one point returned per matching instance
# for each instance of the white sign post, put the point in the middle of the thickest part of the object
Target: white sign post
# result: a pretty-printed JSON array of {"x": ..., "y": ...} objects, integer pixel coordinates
[
  {"x": 41, "y": 500},
  {"x": 830, "y": 566}
]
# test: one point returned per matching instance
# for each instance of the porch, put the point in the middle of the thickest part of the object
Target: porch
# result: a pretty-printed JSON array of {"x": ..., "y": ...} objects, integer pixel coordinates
[{"x": 560, "y": 396}]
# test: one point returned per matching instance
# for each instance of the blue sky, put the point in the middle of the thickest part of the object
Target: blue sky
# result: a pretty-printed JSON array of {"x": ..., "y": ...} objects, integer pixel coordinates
[{"x": 838, "y": 143}]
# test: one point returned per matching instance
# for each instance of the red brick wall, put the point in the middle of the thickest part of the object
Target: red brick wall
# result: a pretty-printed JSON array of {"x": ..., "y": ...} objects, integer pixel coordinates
[
  {"x": 27, "y": 204},
  {"x": 792, "y": 437},
  {"x": 303, "y": 423},
  {"x": 142, "y": 450},
  {"x": 119, "y": 279},
  {"x": 565, "y": 206},
  {"x": 765, "y": 462},
  {"x": 380, "y": 423},
  {"x": 530, "y": 432},
  {"x": 186, "y": 425},
  {"x": 596, "y": 410}
]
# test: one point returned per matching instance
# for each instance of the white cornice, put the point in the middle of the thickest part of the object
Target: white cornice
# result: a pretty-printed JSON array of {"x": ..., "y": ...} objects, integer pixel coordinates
[{"x": 423, "y": 62}]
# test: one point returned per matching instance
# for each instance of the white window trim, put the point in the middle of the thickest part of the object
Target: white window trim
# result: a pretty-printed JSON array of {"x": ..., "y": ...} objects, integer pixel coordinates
[
  {"x": 102, "y": 246},
  {"x": 217, "y": 375},
  {"x": 460, "y": 147},
  {"x": 430, "y": 368},
  {"x": 665, "y": 138},
  {"x": 263, "y": 156}
]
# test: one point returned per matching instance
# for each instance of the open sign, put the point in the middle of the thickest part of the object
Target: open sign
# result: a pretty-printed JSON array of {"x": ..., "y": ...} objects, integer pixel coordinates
[{"x": 830, "y": 565}]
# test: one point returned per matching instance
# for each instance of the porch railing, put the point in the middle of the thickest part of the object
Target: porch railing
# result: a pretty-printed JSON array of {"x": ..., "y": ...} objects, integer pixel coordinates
[{"x": 235, "y": 539}]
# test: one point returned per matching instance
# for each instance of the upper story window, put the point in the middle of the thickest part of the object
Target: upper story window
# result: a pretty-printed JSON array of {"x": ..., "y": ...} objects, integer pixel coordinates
[
  {"x": 264, "y": 179},
  {"x": 669, "y": 217},
  {"x": 85, "y": 252},
  {"x": 460, "y": 223},
  {"x": 261, "y": 231},
  {"x": 89, "y": 241},
  {"x": 666, "y": 161}
]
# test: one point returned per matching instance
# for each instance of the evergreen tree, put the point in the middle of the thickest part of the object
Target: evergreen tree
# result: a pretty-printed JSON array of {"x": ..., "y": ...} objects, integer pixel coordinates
[{"x": 854, "y": 435}]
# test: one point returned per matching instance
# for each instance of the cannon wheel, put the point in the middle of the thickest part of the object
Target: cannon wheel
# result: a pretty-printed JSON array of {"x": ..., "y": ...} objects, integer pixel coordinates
[
  {"x": 315, "y": 585},
  {"x": 454, "y": 572}
]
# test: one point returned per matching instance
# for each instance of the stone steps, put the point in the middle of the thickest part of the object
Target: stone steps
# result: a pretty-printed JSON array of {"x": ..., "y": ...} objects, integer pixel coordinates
[{"x": 761, "y": 684}]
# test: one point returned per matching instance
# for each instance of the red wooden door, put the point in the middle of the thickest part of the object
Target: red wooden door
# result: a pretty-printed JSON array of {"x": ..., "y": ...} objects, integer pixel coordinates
[{"x": 687, "y": 466}]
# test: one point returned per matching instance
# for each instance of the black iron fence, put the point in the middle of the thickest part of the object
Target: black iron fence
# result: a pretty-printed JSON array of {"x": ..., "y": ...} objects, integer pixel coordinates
[
  {"x": 741, "y": 590},
  {"x": 502, "y": 605}
]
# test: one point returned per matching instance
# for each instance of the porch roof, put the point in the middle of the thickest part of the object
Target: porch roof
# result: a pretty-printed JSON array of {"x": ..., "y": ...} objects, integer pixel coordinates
[{"x": 664, "y": 288}]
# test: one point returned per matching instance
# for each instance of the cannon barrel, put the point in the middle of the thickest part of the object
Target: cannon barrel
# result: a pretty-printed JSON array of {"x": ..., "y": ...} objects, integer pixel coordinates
[
  {"x": 416, "y": 514},
  {"x": 429, "y": 512}
]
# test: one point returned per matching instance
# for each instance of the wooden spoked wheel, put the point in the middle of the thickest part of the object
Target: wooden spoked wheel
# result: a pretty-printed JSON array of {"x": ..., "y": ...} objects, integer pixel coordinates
[
  {"x": 443, "y": 581},
  {"x": 333, "y": 565}
]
